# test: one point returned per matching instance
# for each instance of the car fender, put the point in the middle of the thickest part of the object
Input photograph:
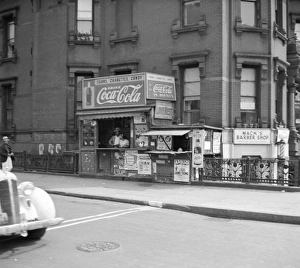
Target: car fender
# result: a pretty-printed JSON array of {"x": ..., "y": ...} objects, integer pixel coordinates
[
  {"x": 43, "y": 204},
  {"x": 27, "y": 211}
]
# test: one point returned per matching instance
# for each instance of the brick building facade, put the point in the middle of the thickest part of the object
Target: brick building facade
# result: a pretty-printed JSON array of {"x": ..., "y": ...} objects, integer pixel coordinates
[{"x": 230, "y": 60}]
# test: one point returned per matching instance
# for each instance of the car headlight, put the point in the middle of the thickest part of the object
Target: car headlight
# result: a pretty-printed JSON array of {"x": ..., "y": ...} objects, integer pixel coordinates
[{"x": 26, "y": 188}]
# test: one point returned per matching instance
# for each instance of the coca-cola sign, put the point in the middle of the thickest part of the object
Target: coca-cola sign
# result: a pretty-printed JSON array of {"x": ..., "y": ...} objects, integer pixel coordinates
[
  {"x": 124, "y": 94},
  {"x": 114, "y": 91},
  {"x": 160, "y": 87},
  {"x": 126, "y": 90}
]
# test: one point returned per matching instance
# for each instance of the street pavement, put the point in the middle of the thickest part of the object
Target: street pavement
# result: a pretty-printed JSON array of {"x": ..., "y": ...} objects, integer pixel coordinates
[{"x": 274, "y": 205}]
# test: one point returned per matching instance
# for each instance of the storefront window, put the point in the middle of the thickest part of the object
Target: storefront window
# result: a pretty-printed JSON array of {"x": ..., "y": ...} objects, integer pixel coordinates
[
  {"x": 113, "y": 132},
  {"x": 212, "y": 142},
  {"x": 182, "y": 143}
]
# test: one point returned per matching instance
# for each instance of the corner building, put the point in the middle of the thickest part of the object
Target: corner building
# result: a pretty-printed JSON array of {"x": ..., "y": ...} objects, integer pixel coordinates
[{"x": 234, "y": 63}]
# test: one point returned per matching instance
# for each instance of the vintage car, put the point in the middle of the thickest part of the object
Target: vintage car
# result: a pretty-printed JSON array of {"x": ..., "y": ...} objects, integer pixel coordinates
[{"x": 25, "y": 210}]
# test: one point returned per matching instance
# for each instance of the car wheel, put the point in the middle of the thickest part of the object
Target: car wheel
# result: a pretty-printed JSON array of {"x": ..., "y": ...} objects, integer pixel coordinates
[{"x": 36, "y": 234}]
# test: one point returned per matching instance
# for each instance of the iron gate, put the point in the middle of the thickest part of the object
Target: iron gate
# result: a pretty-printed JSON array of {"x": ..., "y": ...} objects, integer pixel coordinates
[{"x": 272, "y": 171}]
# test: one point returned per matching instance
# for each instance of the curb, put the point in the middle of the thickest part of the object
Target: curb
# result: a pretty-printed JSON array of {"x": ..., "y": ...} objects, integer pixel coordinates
[
  {"x": 220, "y": 184},
  {"x": 205, "y": 211}
]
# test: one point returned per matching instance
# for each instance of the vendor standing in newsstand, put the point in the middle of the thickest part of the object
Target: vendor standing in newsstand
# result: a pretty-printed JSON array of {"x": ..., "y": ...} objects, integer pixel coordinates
[{"x": 114, "y": 141}]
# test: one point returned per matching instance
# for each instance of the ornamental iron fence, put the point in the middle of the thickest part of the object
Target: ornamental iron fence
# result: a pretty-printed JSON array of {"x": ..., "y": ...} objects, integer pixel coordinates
[
  {"x": 247, "y": 170},
  {"x": 240, "y": 170},
  {"x": 61, "y": 163}
]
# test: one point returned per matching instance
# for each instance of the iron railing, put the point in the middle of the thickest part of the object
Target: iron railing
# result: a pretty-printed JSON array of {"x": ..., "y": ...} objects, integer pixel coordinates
[
  {"x": 270, "y": 171},
  {"x": 243, "y": 170},
  {"x": 61, "y": 163}
]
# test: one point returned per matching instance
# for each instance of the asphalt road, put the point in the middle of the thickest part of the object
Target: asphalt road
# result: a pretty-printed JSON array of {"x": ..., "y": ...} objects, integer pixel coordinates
[{"x": 107, "y": 234}]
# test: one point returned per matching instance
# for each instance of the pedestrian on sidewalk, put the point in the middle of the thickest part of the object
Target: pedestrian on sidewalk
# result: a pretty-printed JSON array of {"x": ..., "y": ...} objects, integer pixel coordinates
[{"x": 6, "y": 154}]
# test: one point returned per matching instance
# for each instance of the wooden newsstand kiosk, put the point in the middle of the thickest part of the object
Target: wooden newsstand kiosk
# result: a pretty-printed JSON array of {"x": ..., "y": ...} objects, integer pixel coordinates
[
  {"x": 125, "y": 102},
  {"x": 141, "y": 106},
  {"x": 170, "y": 154},
  {"x": 178, "y": 151}
]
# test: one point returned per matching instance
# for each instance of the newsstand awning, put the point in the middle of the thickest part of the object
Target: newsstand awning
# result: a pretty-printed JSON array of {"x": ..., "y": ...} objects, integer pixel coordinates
[
  {"x": 112, "y": 113},
  {"x": 173, "y": 132}
]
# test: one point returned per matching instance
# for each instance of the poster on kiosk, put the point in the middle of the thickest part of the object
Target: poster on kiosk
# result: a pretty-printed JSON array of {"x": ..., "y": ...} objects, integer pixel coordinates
[{"x": 198, "y": 148}]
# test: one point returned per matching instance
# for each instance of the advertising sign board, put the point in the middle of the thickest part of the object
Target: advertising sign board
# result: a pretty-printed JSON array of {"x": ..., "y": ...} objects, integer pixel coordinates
[
  {"x": 198, "y": 146},
  {"x": 114, "y": 91},
  {"x": 164, "y": 110},
  {"x": 181, "y": 170},
  {"x": 252, "y": 136},
  {"x": 160, "y": 87},
  {"x": 144, "y": 164},
  {"x": 126, "y": 90},
  {"x": 130, "y": 160}
]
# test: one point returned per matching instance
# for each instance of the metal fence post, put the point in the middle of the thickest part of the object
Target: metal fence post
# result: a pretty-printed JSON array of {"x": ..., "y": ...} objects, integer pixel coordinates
[
  {"x": 248, "y": 170},
  {"x": 48, "y": 162},
  {"x": 24, "y": 159},
  {"x": 201, "y": 174},
  {"x": 74, "y": 163}
]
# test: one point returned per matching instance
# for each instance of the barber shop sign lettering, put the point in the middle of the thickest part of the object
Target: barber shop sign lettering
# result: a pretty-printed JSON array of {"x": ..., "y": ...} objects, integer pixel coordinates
[
  {"x": 252, "y": 136},
  {"x": 114, "y": 91}
]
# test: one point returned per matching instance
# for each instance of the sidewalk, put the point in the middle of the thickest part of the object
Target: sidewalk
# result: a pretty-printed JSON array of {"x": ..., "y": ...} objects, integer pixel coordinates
[{"x": 224, "y": 202}]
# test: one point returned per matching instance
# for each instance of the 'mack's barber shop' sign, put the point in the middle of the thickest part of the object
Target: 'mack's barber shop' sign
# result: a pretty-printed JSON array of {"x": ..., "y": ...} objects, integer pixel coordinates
[
  {"x": 252, "y": 136},
  {"x": 126, "y": 90}
]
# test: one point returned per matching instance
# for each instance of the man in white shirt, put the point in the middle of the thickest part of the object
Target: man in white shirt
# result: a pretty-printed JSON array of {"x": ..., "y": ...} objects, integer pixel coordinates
[{"x": 114, "y": 141}]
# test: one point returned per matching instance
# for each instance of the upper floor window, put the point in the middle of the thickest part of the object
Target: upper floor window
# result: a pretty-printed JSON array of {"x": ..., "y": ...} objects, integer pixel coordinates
[
  {"x": 124, "y": 19},
  {"x": 85, "y": 17},
  {"x": 279, "y": 97},
  {"x": 123, "y": 68},
  {"x": 249, "y": 12},
  {"x": 249, "y": 95},
  {"x": 191, "y": 95},
  {"x": 9, "y": 37},
  {"x": 278, "y": 13},
  {"x": 251, "y": 19},
  {"x": 280, "y": 16},
  {"x": 191, "y": 12},
  {"x": 122, "y": 72}
]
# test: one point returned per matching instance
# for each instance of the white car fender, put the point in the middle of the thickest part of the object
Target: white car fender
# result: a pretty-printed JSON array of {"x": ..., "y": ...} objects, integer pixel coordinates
[
  {"x": 43, "y": 203},
  {"x": 27, "y": 211}
]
